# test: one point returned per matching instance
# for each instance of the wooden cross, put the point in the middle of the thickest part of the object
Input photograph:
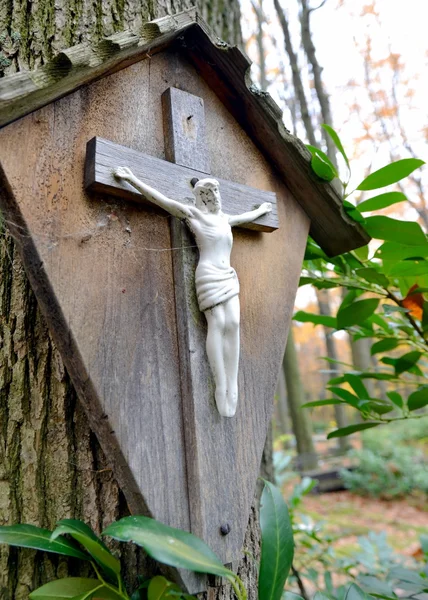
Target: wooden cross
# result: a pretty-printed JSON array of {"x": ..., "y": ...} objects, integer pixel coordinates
[{"x": 212, "y": 442}]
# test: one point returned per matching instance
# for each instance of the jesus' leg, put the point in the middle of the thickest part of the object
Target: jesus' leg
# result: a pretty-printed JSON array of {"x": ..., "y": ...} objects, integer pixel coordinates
[
  {"x": 231, "y": 351},
  {"x": 216, "y": 322}
]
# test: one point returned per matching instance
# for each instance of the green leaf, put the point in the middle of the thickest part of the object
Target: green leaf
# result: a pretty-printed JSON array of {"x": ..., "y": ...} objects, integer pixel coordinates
[
  {"x": 389, "y": 309},
  {"x": 29, "y": 536},
  {"x": 394, "y": 230},
  {"x": 406, "y": 362},
  {"x": 168, "y": 545},
  {"x": 357, "y": 385},
  {"x": 390, "y": 174},
  {"x": 407, "y": 575},
  {"x": 336, "y": 140},
  {"x": 356, "y": 313},
  {"x": 380, "y": 408},
  {"x": 372, "y": 276},
  {"x": 423, "y": 539},
  {"x": 160, "y": 588},
  {"x": 344, "y": 431},
  {"x": 320, "y": 284},
  {"x": 320, "y": 596},
  {"x": 321, "y": 164},
  {"x": 305, "y": 317},
  {"x": 292, "y": 596},
  {"x": 418, "y": 399},
  {"x": 392, "y": 252},
  {"x": 425, "y": 318},
  {"x": 409, "y": 268},
  {"x": 362, "y": 253},
  {"x": 384, "y": 345},
  {"x": 396, "y": 398},
  {"x": 379, "y": 376},
  {"x": 349, "y": 298},
  {"x": 277, "y": 544},
  {"x": 403, "y": 366},
  {"x": 381, "y": 201},
  {"x": 70, "y": 587},
  {"x": 346, "y": 396},
  {"x": 313, "y": 251},
  {"x": 375, "y": 585},
  {"x": 96, "y": 548},
  {"x": 356, "y": 593},
  {"x": 316, "y": 403},
  {"x": 353, "y": 212}
]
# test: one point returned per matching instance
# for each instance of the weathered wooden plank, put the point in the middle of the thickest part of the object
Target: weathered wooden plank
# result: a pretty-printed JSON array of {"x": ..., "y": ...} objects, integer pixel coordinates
[
  {"x": 172, "y": 180},
  {"x": 184, "y": 122}
]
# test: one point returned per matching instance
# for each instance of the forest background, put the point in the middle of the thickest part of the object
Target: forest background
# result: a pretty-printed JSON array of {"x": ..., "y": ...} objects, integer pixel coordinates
[{"x": 360, "y": 67}]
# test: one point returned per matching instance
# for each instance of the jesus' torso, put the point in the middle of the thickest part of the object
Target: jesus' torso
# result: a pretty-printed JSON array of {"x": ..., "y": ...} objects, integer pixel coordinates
[
  {"x": 213, "y": 235},
  {"x": 216, "y": 281}
]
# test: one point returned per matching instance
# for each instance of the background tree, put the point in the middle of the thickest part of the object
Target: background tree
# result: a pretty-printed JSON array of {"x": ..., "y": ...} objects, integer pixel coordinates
[{"x": 51, "y": 465}]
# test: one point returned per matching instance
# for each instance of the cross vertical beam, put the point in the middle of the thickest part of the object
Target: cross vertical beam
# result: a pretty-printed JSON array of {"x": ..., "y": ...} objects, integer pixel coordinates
[{"x": 212, "y": 442}]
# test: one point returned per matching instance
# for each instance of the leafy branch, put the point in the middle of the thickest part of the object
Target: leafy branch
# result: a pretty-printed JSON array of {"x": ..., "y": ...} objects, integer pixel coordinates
[{"x": 386, "y": 294}]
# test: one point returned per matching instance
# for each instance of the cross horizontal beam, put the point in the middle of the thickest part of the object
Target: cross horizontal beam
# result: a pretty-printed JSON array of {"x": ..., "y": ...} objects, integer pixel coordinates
[{"x": 103, "y": 156}]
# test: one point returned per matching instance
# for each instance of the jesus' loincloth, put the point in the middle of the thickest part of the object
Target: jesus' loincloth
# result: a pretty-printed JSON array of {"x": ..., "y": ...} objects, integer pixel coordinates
[{"x": 215, "y": 285}]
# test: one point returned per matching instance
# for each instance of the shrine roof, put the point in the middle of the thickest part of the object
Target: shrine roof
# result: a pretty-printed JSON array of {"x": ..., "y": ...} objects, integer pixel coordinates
[{"x": 226, "y": 70}]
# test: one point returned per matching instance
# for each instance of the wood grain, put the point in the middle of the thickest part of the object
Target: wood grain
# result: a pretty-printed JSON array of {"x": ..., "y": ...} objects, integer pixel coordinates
[
  {"x": 226, "y": 70},
  {"x": 172, "y": 180},
  {"x": 184, "y": 127}
]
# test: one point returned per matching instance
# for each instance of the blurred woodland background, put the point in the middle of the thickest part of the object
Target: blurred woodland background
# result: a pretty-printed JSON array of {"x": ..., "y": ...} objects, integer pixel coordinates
[{"x": 361, "y": 68}]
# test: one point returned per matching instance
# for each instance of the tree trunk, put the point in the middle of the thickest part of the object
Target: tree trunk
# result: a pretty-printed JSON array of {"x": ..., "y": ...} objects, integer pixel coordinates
[
  {"x": 297, "y": 80},
  {"x": 51, "y": 466},
  {"x": 339, "y": 409},
  {"x": 300, "y": 417},
  {"x": 309, "y": 48},
  {"x": 258, "y": 9},
  {"x": 281, "y": 420}
]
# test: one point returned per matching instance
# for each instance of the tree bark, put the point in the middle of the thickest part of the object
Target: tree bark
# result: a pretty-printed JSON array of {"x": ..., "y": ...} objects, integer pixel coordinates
[
  {"x": 299, "y": 416},
  {"x": 309, "y": 48},
  {"x": 297, "y": 80},
  {"x": 51, "y": 465},
  {"x": 258, "y": 9},
  {"x": 339, "y": 410}
]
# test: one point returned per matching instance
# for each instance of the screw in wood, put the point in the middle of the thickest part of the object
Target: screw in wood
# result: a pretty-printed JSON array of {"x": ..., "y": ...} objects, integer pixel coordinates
[{"x": 225, "y": 529}]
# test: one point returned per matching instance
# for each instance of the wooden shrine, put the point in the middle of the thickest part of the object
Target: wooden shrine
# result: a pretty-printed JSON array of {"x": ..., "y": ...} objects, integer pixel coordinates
[{"x": 114, "y": 276}]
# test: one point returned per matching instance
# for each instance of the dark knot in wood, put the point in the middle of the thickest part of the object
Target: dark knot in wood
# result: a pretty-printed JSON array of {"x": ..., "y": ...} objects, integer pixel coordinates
[{"x": 225, "y": 529}]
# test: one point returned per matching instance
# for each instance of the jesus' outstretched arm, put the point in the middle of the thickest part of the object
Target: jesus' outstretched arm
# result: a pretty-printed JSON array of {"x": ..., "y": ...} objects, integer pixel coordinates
[
  {"x": 176, "y": 209},
  {"x": 252, "y": 215}
]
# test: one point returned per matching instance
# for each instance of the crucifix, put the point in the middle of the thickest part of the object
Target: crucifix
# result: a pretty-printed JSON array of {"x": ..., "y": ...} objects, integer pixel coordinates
[
  {"x": 217, "y": 286},
  {"x": 186, "y": 150}
]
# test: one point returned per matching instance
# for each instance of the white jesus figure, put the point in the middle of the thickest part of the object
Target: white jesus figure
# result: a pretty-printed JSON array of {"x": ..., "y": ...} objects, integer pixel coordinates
[{"x": 217, "y": 285}]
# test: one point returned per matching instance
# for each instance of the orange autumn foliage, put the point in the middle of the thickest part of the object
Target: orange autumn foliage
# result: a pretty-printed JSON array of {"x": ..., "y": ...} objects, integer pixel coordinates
[{"x": 414, "y": 303}]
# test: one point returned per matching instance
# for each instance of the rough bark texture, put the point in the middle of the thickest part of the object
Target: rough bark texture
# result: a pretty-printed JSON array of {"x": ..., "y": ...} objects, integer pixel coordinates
[{"x": 51, "y": 466}]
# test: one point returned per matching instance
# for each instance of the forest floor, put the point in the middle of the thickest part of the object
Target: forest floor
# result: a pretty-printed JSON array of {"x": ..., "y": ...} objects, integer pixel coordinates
[{"x": 348, "y": 516}]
